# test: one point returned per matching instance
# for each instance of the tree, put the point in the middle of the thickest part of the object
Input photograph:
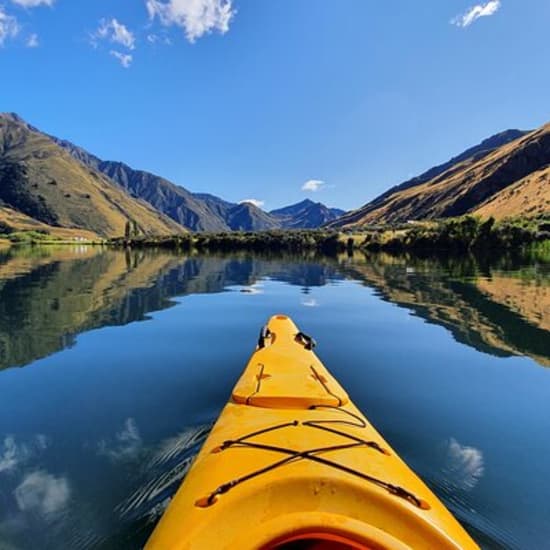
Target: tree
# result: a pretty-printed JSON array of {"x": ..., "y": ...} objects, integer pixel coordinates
[{"x": 135, "y": 228}]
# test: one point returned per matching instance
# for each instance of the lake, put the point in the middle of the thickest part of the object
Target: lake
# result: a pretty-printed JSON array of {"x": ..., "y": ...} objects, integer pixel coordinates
[{"x": 114, "y": 365}]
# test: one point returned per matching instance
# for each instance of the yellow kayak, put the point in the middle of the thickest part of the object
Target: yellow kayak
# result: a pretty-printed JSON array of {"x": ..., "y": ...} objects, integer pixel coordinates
[{"x": 292, "y": 464}]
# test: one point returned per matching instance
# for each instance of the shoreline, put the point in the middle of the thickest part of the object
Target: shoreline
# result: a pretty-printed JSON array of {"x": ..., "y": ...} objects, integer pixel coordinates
[{"x": 452, "y": 235}]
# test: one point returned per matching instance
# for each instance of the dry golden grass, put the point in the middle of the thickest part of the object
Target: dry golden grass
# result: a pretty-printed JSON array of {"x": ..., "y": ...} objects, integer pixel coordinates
[
  {"x": 21, "y": 222},
  {"x": 528, "y": 197}
]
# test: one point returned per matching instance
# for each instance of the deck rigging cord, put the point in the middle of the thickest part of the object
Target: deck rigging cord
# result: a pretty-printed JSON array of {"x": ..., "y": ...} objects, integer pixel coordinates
[{"x": 310, "y": 454}]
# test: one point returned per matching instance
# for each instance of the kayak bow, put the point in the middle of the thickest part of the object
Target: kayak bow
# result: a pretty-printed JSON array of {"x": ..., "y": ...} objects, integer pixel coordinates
[{"x": 292, "y": 464}]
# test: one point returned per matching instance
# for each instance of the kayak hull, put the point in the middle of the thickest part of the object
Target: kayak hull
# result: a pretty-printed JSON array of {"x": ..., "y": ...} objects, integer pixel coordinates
[{"x": 291, "y": 457}]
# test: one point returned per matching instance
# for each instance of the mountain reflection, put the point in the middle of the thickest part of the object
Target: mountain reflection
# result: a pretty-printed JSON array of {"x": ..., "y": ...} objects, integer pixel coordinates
[
  {"x": 48, "y": 296},
  {"x": 501, "y": 308}
]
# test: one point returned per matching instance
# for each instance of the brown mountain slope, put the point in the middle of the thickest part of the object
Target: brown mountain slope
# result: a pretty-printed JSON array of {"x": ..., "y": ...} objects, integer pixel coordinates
[
  {"x": 12, "y": 220},
  {"x": 466, "y": 186},
  {"x": 40, "y": 179},
  {"x": 528, "y": 197}
]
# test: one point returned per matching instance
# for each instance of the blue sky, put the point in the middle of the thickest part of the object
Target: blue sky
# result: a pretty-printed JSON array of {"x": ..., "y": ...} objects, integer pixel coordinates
[{"x": 255, "y": 98}]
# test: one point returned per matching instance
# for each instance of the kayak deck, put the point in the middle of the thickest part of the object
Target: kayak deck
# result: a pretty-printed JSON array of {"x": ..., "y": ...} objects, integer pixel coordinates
[{"x": 292, "y": 463}]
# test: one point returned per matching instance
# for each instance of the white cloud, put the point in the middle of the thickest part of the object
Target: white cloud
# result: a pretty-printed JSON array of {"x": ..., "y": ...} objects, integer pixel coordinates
[
  {"x": 255, "y": 202},
  {"x": 475, "y": 12},
  {"x": 465, "y": 464},
  {"x": 195, "y": 17},
  {"x": 9, "y": 27},
  {"x": 313, "y": 185},
  {"x": 115, "y": 32},
  {"x": 43, "y": 493},
  {"x": 124, "y": 58},
  {"x": 127, "y": 444},
  {"x": 33, "y": 3},
  {"x": 32, "y": 41},
  {"x": 310, "y": 302},
  {"x": 158, "y": 39}
]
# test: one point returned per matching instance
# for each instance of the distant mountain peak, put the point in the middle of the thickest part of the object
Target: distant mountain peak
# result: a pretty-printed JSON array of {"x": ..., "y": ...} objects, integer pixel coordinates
[
  {"x": 306, "y": 214},
  {"x": 13, "y": 117}
]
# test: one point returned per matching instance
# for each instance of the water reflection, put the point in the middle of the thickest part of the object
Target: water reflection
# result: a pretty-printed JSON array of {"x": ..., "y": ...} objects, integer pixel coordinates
[
  {"x": 49, "y": 296},
  {"x": 95, "y": 439},
  {"x": 501, "y": 308}
]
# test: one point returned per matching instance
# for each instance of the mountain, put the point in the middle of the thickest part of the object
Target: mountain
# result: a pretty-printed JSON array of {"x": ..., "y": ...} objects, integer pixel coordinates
[
  {"x": 526, "y": 197},
  {"x": 306, "y": 214},
  {"x": 507, "y": 171},
  {"x": 43, "y": 182},
  {"x": 248, "y": 217},
  {"x": 244, "y": 216},
  {"x": 60, "y": 184},
  {"x": 12, "y": 220},
  {"x": 477, "y": 152},
  {"x": 173, "y": 200},
  {"x": 203, "y": 211}
]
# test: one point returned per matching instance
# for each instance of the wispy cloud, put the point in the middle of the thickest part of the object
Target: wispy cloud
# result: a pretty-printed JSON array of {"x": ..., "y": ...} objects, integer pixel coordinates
[
  {"x": 195, "y": 17},
  {"x": 42, "y": 493},
  {"x": 313, "y": 185},
  {"x": 255, "y": 202},
  {"x": 32, "y": 41},
  {"x": 115, "y": 32},
  {"x": 33, "y": 3},
  {"x": 475, "y": 12},
  {"x": 125, "y": 59},
  {"x": 126, "y": 445},
  {"x": 158, "y": 39},
  {"x": 9, "y": 27}
]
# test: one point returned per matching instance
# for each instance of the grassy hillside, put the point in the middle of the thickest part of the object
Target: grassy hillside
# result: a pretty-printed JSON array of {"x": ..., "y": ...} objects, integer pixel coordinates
[
  {"x": 40, "y": 179},
  {"x": 13, "y": 222},
  {"x": 513, "y": 177},
  {"x": 529, "y": 196}
]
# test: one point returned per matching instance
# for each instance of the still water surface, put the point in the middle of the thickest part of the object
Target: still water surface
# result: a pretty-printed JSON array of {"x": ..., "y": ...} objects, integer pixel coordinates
[{"x": 113, "y": 367}]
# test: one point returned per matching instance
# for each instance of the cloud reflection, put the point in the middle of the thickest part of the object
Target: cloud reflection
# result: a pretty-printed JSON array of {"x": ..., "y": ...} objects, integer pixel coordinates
[
  {"x": 43, "y": 493},
  {"x": 465, "y": 465},
  {"x": 13, "y": 453},
  {"x": 126, "y": 445}
]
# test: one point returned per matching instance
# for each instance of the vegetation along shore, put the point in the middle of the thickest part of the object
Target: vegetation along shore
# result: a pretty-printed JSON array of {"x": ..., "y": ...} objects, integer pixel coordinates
[{"x": 463, "y": 234}]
